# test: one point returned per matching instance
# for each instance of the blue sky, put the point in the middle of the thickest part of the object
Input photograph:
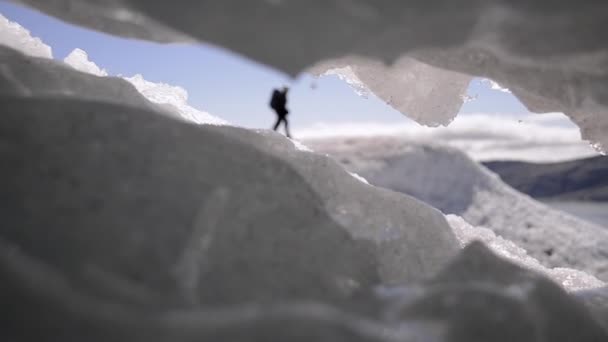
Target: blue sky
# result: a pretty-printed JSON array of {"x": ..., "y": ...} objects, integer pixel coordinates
[{"x": 229, "y": 86}]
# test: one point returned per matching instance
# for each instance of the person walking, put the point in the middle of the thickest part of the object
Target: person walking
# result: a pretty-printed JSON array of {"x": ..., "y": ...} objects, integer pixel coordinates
[{"x": 278, "y": 103}]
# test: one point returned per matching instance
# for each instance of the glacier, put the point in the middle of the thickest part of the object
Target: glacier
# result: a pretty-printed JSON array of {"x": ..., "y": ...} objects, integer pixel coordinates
[
  {"x": 126, "y": 219},
  {"x": 550, "y": 54},
  {"x": 381, "y": 221},
  {"x": 449, "y": 180}
]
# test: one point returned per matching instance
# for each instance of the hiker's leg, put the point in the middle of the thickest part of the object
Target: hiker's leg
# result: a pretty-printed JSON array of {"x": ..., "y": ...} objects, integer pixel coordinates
[
  {"x": 283, "y": 120},
  {"x": 276, "y": 125},
  {"x": 287, "y": 127}
]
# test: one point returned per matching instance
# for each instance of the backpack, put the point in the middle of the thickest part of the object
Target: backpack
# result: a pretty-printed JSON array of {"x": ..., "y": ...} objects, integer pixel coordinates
[{"x": 275, "y": 101}]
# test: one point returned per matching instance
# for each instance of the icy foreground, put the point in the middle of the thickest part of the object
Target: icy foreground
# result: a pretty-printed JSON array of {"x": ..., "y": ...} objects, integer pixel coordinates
[
  {"x": 551, "y": 54},
  {"x": 124, "y": 224},
  {"x": 571, "y": 279},
  {"x": 83, "y": 141},
  {"x": 450, "y": 181}
]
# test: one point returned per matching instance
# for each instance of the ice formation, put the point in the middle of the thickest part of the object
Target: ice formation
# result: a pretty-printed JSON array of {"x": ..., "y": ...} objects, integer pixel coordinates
[
  {"x": 379, "y": 220},
  {"x": 122, "y": 223},
  {"x": 17, "y": 37},
  {"x": 478, "y": 279},
  {"x": 174, "y": 97},
  {"x": 347, "y": 74},
  {"x": 450, "y": 181},
  {"x": 570, "y": 279},
  {"x": 79, "y": 60},
  {"x": 550, "y": 55},
  {"x": 429, "y": 95},
  {"x": 596, "y": 301}
]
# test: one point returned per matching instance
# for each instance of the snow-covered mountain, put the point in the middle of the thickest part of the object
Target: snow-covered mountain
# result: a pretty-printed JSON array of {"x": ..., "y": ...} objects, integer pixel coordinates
[
  {"x": 581, "y": 180},
  {"x": 450, "y": 181}
]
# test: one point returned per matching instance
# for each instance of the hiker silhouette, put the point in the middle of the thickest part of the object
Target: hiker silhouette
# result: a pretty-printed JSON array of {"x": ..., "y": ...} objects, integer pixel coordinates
[{"x": 278, "y": 103}]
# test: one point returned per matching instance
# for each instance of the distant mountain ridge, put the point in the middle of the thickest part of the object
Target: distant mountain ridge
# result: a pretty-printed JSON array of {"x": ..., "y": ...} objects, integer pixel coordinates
[{"x": 580, "y": 180}]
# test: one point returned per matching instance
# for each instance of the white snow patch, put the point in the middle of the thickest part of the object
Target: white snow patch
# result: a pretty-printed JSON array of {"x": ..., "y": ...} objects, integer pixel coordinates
[
  {"x": 570, "y": 279},
  {"x": 174, "y": 96},
  {"x": 359, "y": 178},
  {"x": 495, "y": 86},
  {"x": 347, "y": 75},
  {"x": 79, "y": 60},
  {"x": 300, "y": 146},
  {"x": 19, "y": 38}
]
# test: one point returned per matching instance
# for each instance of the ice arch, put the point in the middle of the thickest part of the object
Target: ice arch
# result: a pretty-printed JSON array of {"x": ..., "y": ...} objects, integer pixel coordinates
[{"x": 552, "y": 54}]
